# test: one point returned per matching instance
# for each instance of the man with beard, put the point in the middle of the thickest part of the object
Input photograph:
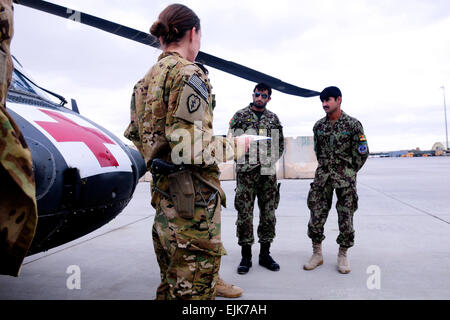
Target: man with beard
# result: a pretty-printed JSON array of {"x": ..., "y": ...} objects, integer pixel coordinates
[{"x": 256, "y": 177}]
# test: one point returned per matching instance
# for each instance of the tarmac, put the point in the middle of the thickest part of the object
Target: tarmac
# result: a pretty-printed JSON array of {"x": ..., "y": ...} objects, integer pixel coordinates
[{"x": 402, "y": 246}]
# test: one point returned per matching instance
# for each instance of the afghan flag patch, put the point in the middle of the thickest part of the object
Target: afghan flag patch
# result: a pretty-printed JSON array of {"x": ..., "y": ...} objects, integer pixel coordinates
[{"x": 362, "y": 138}]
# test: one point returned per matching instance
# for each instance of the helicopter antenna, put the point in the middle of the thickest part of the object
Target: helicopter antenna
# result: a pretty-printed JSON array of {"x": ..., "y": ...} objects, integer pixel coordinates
[{"x": 147, "y": 39}]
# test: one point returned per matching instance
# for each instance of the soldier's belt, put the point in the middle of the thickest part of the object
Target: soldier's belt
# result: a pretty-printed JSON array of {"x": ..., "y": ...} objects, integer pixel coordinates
[{"x": 181, "y": 187}]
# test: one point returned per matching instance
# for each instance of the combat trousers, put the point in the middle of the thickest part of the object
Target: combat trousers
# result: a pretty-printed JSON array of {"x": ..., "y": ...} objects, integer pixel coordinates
[
  {"x": 188, "y": 251},
  {"x": 320, "y": 199},
  {"x": 249, "y": 185}
]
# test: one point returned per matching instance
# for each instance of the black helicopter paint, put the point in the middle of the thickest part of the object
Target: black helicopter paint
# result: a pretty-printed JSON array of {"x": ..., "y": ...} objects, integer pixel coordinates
[{"x": 85, "y": 176}]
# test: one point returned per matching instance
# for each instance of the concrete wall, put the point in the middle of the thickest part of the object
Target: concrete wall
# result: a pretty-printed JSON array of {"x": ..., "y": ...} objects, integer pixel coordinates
[{"x": 298, "y": 161}]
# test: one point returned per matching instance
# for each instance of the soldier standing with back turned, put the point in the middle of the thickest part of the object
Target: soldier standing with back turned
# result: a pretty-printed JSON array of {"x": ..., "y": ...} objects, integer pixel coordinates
[
  {"x": 171, "y": 116},
  {"x": 341, "y": 150}
]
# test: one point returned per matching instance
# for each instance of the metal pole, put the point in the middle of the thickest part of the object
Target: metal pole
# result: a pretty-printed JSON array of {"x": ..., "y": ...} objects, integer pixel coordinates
[{"x": 445, "y": 113}]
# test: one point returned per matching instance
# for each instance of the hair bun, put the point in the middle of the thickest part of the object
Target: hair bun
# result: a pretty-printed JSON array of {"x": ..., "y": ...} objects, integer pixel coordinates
[{"x": 159, "y": 29}]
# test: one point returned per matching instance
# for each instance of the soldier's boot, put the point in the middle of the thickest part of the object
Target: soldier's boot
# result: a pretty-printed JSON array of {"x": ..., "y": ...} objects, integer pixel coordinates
[
  {"x": 227, "y": 290},
  {"x": 316, "y": 259},
  {"x": 246, "y": 262},
  {"x": 342, "y": 261},
  {"x": 266, "y": 260}
]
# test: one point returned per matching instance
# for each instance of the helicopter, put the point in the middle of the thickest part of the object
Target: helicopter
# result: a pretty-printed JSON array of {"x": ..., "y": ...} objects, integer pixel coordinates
[{"x": 85, "y": 175}]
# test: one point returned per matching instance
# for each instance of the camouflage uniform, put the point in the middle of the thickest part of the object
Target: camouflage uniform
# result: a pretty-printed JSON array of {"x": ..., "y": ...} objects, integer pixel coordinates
[
  {"x": 18, "y": 212},
  {"x": 256, "y": 175},
  {"x": 341, "y": 151},
  {"x": 172, "y": 100}
]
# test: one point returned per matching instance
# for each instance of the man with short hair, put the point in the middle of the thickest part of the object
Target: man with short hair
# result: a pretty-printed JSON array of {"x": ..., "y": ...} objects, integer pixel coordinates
[
  {"x": 341, "y": 150},
  {"x": 256, "y": 177}
]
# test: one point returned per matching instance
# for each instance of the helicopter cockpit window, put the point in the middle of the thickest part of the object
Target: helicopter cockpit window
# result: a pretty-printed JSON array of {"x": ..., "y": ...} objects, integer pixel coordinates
[{"x": 20, "y": 83}]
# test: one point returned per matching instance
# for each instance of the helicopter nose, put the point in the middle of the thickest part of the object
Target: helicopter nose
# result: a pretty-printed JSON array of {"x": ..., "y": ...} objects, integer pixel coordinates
[{"x": 140, "y": 163}]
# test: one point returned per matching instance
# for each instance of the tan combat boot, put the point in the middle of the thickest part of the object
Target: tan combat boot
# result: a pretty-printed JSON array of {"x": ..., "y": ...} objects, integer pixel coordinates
[
  {"x": 342, "y": 261},
  {"x": 316, "y": 259},
  {"x": 227, "y": 290}
]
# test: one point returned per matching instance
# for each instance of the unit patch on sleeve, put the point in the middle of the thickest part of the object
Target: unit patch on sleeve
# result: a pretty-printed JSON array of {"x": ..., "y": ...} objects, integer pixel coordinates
[
  {"x": 191, "y": 106},
  {"x": 362, "y": 148},
  {"x": 193, "y": 103}
]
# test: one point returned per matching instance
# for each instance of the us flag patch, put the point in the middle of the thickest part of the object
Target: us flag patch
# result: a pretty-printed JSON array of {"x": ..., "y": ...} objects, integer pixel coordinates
[{"x": 197, "y": 83}]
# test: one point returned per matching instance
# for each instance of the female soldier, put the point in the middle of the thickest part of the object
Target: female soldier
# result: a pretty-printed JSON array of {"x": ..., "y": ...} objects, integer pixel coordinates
[{"x": 171, "y": 120}]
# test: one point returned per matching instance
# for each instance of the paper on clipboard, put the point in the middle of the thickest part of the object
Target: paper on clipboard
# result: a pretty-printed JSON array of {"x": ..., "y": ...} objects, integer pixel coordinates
[{"x": 256, "y": 138}]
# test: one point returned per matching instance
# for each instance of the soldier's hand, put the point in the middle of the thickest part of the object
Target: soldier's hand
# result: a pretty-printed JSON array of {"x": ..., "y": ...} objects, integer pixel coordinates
[{"x": 245, "y": 140}]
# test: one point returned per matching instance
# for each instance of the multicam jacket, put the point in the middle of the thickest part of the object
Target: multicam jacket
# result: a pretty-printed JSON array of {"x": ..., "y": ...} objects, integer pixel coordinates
[
  {"x": 264, "y": 153},
  {"x": 172, "y": 117},
  {"x": 18, "y": 208},
  {"x": 341, "y": 150}
]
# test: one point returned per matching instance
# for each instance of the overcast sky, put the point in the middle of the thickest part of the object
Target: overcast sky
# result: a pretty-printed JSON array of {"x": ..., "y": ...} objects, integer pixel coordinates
[{"x": 389, "y": 58}]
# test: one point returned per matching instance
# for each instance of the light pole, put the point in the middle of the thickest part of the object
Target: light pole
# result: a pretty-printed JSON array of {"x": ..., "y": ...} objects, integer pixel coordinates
[{"x": 445, "y": 113}]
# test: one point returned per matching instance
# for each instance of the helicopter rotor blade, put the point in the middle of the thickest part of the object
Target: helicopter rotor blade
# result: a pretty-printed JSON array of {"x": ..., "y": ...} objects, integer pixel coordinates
[{"x": 147, "y": 39}]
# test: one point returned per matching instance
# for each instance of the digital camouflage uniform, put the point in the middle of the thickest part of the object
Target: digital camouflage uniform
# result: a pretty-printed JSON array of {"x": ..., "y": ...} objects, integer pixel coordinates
[
  {"x": 341, "y": 151},
  {"x": 18, "y": 213},
  {"x": 256, "y": 175},
  {"x": 172, "y": 100}
]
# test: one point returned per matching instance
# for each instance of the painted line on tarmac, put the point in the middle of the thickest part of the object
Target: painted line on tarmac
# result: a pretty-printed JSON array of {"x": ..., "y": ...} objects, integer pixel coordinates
[
  {"x": 405, "y": 203},
  {"x": 86, "y": 240}
]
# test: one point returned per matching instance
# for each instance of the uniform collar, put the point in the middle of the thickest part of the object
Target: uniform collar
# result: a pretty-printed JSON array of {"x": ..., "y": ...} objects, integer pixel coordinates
[
  {"x": 169, "y": 53},
  {"x": 342, "y": 117}
]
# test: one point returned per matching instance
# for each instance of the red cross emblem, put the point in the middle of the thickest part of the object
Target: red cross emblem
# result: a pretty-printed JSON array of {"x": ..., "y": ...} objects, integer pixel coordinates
[{"x": 66, "y": 130}]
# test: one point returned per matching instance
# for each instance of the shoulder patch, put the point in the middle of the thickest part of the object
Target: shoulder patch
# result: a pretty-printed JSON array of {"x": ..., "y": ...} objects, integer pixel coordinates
[
  {"x": 197, "y": 83},
  {"x": 191, "y": 106},
  {"x": 362, "y": 149},
  {"x": 362, "y": 138}
]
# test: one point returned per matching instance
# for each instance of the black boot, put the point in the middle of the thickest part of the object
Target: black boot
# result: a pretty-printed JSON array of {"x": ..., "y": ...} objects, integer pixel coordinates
[
  {"x": 246, "y": 262},
  {"x": 266, "y": 260}
]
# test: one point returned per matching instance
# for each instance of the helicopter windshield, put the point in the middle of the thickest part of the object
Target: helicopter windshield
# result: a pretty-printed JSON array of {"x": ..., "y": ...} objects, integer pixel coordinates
[{"x": 20, "y": 83}]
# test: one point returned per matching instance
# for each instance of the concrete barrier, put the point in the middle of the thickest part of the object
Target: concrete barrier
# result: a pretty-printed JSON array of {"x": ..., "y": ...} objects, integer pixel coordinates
[{"x": 298, "y": 161}]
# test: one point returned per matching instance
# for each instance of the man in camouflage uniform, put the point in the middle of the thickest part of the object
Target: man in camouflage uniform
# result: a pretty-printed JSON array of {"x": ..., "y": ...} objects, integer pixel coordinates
[
  {"x": 18, "y": 212},
  {"x": 256, "y": 177},
  {"x": 341, "y": 150},
  {"x": 171, "y": 119}
]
